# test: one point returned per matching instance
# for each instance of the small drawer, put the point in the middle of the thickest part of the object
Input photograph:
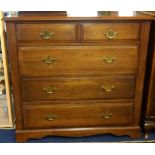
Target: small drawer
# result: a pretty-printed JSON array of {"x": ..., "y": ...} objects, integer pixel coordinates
[
  {"x": 47, "y": 89},
  {"x": 44, "y": 61},
  {"x": 110, "y": 31},
  {"x": 77, "y": 115},
  {"x": 47, "y": 32}
]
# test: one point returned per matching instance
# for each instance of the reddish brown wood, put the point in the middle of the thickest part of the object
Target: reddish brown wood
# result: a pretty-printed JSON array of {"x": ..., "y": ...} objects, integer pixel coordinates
[
  {"x": 23, "y": 135},
  {"x": 78, "y": 60},
  {"x": 15, "y": 77},
  {"x": 60, "y": 32},
  {"x": 78, "y": 76},
  {"x": 80, "y": 88},
  {"x": 96, "y": 31},
  {"x": 141, "y": 69},
  {"x": 75, "y": 115}
]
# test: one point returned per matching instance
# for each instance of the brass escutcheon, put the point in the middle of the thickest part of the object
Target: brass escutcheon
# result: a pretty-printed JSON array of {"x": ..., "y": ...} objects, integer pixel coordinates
[
  {"x": 111, "y": 34},
  {"x": 109, "y": 59},
  {"x": 107, "y": 115},
  {"x": 46, "y": 34},
  {"x": 108, "y": 87},
  {"x": 49, "y": 89},
  {"x": 49, "y": 60},
  {"x": 50, "y": 117}
]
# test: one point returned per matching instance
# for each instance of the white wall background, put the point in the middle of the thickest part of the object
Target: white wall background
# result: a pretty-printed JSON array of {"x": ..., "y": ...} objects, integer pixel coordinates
[{"x": 80, "y": 5}]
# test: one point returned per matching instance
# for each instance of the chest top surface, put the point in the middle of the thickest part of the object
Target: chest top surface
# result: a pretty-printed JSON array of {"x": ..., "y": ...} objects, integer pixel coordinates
[{"x": 69, "y": 16}]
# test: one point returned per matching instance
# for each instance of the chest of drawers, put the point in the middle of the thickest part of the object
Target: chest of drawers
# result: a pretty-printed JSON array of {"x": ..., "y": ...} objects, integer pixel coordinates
[{"x": 75, "y": 76}]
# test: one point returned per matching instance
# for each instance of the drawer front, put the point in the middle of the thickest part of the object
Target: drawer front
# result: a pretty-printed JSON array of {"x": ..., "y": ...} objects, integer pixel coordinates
[
  {"x": 46, "y": 32},
  {"x": 78, "y": 60},
  {"x": 110, "y": 31},
  {"x": 80, "y": 115},
  {"x": 78, "y": 88}
]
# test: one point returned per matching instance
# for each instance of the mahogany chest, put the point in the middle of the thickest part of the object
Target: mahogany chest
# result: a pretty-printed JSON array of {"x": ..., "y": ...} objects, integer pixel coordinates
[{"x": 77, "y": 76}]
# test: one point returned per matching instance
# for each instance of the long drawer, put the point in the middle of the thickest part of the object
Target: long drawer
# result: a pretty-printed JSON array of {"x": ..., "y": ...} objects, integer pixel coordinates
[
  {"x": 77, "y": 115},
  {"x": 47, "y": 32},
  {"x": 78, "y": 88},
  {"x": 58, "y": 60},
  {"x": 110, "y": 31}
]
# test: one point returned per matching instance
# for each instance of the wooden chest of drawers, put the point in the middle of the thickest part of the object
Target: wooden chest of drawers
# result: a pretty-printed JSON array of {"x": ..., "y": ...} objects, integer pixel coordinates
[{"x": 77, "y": 76}]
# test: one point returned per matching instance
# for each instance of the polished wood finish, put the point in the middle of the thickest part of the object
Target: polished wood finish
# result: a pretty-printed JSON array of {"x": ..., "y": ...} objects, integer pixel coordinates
[
  {"x": 78, "y": 60},
  {"x": 23, "y": 135},
  {"x": 96, "y": 31},
  {"x": 81, "y": 88},
  {"x": 77, "y": 115},
  {"x": 71, "y": 83},
  {"x": 60, "y": 31},
  {"x": 15, "y": 74}
]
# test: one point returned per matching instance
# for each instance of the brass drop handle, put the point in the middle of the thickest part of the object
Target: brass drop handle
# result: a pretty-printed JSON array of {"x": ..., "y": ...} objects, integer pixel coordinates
[
  {"x": 50, "y": 117},
  {"x": 46, "y": 34},
  {"x": 109, "y": 59},
  {"x": 107, "y": 115},
  {"x": 49, "y": 90},
  {"x": 49, "y": 60},
  {"x": 108, "y": 87},
  {"x": 111, "y": 34}
]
